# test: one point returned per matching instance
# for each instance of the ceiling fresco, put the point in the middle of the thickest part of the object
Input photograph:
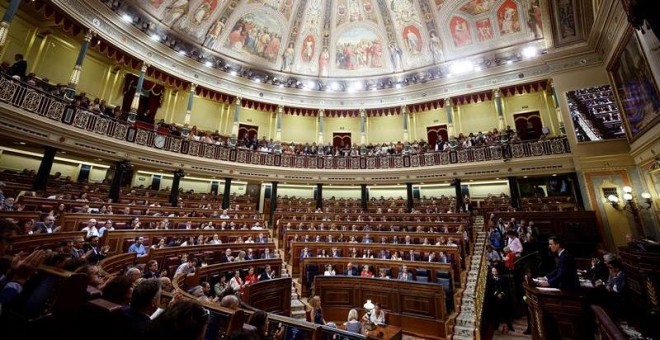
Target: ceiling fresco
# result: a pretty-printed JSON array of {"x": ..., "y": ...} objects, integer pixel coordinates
[{"x": 344, "y": 38}]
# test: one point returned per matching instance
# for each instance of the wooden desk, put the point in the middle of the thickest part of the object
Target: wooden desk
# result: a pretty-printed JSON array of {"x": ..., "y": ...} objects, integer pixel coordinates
[
  {"x": 416, "y": 307},
  {"x": 389, "y": 332}
]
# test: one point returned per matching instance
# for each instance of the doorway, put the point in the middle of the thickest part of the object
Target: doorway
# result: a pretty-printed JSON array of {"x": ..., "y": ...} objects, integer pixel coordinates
[
  {"x": 341, "y": 140},
  {"x": 528, "y": 125},
  {"x": 433, "y": 133}
]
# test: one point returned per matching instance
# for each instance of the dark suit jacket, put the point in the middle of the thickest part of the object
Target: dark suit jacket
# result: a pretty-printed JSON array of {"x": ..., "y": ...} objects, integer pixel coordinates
[
  {"x": 354, "y": 272},
  {"x": 264, "y": 276},
  {"x": 565, "y": 276}
]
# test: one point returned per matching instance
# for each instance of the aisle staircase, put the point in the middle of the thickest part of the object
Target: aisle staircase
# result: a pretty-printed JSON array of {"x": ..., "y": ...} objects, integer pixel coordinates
[
  {"x": 467, "y": 322},
  {"x": 297, "y": 307}
]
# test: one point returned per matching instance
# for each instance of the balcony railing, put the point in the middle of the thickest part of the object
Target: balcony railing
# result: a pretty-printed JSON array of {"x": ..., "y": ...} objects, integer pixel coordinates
[{"x": 34, "y": 100}]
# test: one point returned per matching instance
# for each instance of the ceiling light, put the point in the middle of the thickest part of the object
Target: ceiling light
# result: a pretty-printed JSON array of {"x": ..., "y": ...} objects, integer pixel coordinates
[
  {"x": 208, "y": 63},
  {"x": 398, "y": 85},
  {"x": 155, "y": 37},
  {"x": 182, "y": 52},
  {"x": 127, "y": 18},
  {"x": 530, "y": 52},
  {"x": 461, "y": 67},
  {"x": 334, "y": 86},
  {"x": 509, "y": 62},
  {"x": 233, "y": 73},
  {"x": 256, "y": 80},
  {"x": 21, "y": 143},
  {"x": 627, "y": 189},
  {"x": 646, "y": 195}
]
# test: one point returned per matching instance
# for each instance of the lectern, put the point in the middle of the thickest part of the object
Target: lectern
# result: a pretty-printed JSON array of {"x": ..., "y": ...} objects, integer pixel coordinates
[{"x": 558, "y": 314}]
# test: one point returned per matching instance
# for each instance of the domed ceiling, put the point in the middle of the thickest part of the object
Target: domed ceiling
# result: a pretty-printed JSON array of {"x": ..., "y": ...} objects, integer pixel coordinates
[{"x": 344, "y": 38}]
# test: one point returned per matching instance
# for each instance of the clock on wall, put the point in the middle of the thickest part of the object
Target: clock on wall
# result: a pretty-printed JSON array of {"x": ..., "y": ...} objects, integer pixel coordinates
[{"x": 159, "y": 141}]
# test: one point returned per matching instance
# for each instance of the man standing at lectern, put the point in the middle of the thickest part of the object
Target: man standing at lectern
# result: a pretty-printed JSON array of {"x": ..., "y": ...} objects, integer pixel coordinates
[{"x": 565, "y": 275}]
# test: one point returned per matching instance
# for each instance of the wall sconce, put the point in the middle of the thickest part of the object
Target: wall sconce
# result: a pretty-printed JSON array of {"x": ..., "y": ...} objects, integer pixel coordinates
[{"x": 631, "y": 202}]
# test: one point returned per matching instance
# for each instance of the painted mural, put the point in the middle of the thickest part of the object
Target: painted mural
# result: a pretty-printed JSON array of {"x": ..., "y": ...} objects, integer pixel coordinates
[
  {"x": 355, "y": 11},
  {"x": 438, "y": 4},
  {"x": 283, "y": 6},
  {"x": 567, "y": 27},
  {"x": 484, "y": 30},
  {"x": 508, "y": 18},
  {"x": 358, "y": 49},
  {"x": 404, "y": 11},
  {"x": 307, "y": 51},
  {"x": 476, "y": 7},
  {"x": 534, "y": 20},
  {"x": 255, "y": 34},
  {"x": 460, "y": 32},
  {"x": 412, "y": 39},
  {"x": 358, "y": 36}
]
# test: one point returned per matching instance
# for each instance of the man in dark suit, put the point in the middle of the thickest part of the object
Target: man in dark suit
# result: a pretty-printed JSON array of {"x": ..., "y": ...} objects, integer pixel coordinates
[
  {"x": 350, "y": 270},
  {"x": 565, "y": 275},
  {"x": 19, "y": 68},
  {"x": 411, "y": 256},
  {"x": 267, "y": 254},
  {"x": 268, "y": 274}
]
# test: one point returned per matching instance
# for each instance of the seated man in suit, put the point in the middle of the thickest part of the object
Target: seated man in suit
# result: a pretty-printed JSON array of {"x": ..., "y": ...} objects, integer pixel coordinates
[
  {"x": 404, "y": 274},
  {"x": 267, "y": 254},
  {"x": 565, "y": 275},
  {"x": 268, "y": 274},
  {"x": 411, "y": 256},
  {"x": 350, "y": 270}
]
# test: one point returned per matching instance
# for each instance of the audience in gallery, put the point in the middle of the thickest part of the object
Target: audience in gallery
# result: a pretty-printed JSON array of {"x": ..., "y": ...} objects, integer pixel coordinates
[{"x": 463, "y": 140}]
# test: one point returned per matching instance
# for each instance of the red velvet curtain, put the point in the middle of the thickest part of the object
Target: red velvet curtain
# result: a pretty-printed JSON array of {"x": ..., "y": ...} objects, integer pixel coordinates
[{"x": 150, "y": 100}]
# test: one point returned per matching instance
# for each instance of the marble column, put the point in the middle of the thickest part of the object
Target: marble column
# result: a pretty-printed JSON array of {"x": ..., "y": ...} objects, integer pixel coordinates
[
  {"x": 138, "y": 92},
  {"x": 363, "y": 126},
  {"x": 404, "y": 113},
  {"x": 237, "y": 111},
  {"x": 75, "y": 75},
  {"x": 321, "y": 126},
  {"x": 450, "y": 117},
  {"x": 6, "y": 21},
  {"x": 499, "y": 108},
  {"x": 191, "y": 99},
  {"x": 278, "y": 123}
]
